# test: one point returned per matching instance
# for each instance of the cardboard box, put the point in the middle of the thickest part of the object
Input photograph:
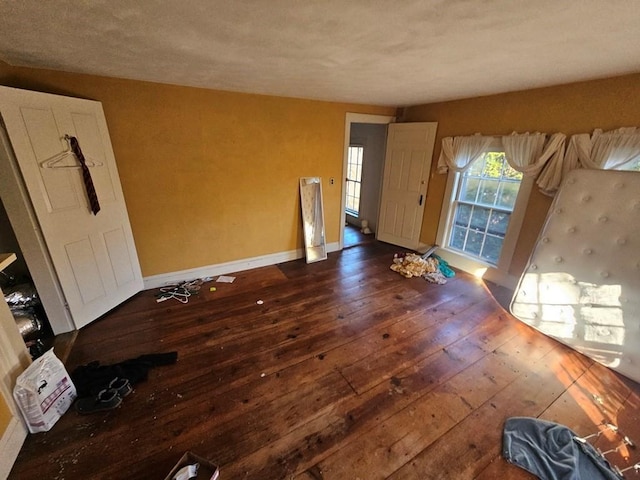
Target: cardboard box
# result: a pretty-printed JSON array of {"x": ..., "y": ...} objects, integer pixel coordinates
[{"x": 206, "y": 471}]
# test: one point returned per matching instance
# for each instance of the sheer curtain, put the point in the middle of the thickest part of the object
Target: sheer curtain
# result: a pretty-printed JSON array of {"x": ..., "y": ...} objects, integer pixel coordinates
[
  {"x": 615, "y": 150},
  {"x": 459, "y": 152},
  {"x": 529, "y": 152}
]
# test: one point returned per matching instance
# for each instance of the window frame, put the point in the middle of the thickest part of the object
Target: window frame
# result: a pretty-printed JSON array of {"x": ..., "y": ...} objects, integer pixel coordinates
[
  {"x": 348, "y": 211},
  {"x": 499, "y": 273}
]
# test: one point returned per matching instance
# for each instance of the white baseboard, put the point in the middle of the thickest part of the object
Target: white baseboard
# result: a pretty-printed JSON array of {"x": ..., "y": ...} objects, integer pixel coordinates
[
  {"x": 10, "y": 445},
  {"x": 157, "y": 281}
]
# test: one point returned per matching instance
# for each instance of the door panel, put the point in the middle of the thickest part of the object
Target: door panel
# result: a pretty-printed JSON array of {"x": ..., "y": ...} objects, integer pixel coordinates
[
  {"x": 119, "y": 256},
  {"x": 58, "y": 187},
  {"x": 404, "y": 187},
  {"x": 94, "y": 255},
  {"x": 88, "y": 130}
]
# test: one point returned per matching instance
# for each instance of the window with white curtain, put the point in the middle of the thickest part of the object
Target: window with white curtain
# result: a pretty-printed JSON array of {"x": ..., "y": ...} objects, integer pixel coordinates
[
  {"x": 483, "y": 212},
  {"x": 485, "y": 197}
]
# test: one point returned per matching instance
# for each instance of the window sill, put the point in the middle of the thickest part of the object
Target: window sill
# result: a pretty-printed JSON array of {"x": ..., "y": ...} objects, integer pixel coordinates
[{"x": 477, "y": 268}]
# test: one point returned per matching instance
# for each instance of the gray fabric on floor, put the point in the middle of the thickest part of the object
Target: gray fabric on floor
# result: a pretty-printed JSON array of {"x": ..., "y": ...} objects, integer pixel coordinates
[{"x": 549, "y": 450}]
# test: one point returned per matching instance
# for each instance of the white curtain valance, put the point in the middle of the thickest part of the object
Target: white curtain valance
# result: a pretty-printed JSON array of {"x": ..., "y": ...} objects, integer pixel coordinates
[
  {"x": 529, "y": 152},
  {"x": 612, "y": 150},
  {"x": 459, "y": 152}
]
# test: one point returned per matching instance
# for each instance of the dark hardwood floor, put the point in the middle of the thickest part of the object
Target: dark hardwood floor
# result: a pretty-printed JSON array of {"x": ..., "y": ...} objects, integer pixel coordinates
[
  {"x": 353, "y": 236},
  {"x": 345, "y": 370}
]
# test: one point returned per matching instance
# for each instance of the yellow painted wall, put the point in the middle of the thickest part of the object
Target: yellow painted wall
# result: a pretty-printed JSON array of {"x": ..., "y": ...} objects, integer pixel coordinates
[
  {"x": 210, "y": 176},
  {"x": 572, "y": 108},
  {"x": 5, "y": 415}
]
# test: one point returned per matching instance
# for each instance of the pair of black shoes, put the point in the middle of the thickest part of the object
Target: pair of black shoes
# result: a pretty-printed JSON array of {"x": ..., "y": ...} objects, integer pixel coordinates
[{"x": 107, "y": 399}]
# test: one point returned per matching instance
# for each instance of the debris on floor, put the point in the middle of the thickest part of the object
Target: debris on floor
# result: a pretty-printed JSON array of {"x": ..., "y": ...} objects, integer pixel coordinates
[
  {"x": 181, "y": 292},
  {"x": 225, "y": 279},
  {"x": 433, "y": 268}
]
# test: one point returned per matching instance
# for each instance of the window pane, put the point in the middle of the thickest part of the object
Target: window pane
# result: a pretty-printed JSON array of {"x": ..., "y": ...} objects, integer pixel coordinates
[
  {"x": 488, "y": 192},
  {"x": 493, "y": 165},
  {"x": 498, "y": 223},
  {"x": 457, "y": 239},
  {"x": 508, "y": 194},
  {"x": 463, "y": 214},
  {"x": 474, "y": 243},
  {"x": 469, "y": 189},
  {"x": 492, "y": 248},
  {"x": 479, "y": 218}
]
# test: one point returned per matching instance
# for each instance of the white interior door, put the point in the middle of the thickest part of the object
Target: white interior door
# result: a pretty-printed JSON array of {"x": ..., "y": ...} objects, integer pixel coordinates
[
  {"x": 404, "y": 186},
  {"x": 94, "y": 256}
]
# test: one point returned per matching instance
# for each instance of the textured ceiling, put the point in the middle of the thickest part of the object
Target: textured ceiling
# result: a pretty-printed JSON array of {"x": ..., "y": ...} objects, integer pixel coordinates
[{"x": 402, "y": 52}]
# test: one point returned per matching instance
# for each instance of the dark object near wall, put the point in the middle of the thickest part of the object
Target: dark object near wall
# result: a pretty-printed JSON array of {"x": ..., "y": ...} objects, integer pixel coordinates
[{"x": 30, "y": 317}]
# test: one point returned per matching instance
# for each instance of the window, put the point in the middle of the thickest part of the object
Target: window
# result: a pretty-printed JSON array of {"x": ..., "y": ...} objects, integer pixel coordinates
[
  {"x": 354, "y": 179},
  {"x": 485, "y": 198},
  {"x": 482, "y": 216}
]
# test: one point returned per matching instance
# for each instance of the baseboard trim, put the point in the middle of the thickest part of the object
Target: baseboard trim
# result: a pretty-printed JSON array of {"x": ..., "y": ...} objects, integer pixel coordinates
[
  {"x": 157, "y": 281},
  {"x": 10, "y": 445}
]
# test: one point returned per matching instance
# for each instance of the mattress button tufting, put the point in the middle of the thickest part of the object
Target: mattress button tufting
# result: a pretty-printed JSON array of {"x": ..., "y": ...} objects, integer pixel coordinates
[
  {"x": 587, "y": 251},
  {"x": 605, "y": 274},
  {"x": 545, "y": 240},
  {"x": 603, "y": 219},
  {"x": 558, "y": 210},
  {"x": 534, "y": 267},
  {"x": 622, "y": 241},
  {"x": 572, "y": 230},
  {"x": 586, "y": 198},
  {"x": 558, "y": 259}
]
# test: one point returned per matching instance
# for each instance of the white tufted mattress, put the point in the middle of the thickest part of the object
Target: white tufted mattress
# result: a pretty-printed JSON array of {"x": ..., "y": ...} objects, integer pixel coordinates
[{"x": 582, "y": 283}]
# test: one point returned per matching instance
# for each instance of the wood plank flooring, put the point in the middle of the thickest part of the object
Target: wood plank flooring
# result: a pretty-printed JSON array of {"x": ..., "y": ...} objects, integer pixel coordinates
[{"x": 346, "y": 370}]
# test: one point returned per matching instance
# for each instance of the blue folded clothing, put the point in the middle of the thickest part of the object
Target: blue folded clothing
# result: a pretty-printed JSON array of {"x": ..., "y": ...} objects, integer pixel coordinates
[{"x": 552, "y": 451}]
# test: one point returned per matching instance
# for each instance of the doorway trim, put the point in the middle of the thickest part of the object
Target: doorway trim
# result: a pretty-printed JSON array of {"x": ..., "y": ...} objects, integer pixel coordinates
[{"x": 349, "y": 119}]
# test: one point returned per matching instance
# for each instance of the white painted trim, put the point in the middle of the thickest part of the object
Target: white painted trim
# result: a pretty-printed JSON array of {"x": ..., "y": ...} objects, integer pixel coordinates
[
  {"x": 10, "y": 445},
  {"x": 478, "y": 269},
  {"x": 349, "y": 119},
  {"x": 446, "y": 212},
  {"x": 157, "y": 281},
  {"x": 32, "y": 244}
]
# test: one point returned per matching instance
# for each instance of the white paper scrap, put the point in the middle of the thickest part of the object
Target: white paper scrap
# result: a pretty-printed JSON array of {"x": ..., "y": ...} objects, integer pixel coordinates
[{"x": 225, "y": 279}]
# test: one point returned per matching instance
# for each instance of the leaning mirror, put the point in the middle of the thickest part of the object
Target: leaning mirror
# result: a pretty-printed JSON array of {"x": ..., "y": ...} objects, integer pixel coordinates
[{"x": 313, "y": 218}]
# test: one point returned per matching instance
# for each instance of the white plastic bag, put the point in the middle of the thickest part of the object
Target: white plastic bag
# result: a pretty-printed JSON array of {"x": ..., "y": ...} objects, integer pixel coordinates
[{"x": 43, "y": 392}]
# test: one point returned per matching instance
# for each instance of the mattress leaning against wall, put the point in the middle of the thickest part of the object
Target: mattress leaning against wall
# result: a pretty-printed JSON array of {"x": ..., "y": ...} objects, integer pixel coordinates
[{"x": 582, "y": 283}]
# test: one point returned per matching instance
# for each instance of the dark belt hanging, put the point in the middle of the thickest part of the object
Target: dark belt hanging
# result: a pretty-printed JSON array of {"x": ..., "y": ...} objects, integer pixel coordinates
[{"x": 86, "y": 175}]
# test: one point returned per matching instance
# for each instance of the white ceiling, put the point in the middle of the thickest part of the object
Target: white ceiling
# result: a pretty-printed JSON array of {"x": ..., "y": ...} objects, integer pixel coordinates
[{"x": 380, "y": 52}]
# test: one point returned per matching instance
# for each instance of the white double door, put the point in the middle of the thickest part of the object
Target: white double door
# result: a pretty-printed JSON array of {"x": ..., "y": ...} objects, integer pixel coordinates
[{"x": 92, "y": 256}]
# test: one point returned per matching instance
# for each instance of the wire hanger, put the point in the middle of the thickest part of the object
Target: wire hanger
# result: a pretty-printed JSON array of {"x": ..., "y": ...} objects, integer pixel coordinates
[{"x": 54, "y": 161}]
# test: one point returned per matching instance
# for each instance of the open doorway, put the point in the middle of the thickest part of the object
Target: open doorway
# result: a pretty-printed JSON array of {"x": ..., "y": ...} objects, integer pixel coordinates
[{"x": 364, "y": 151}]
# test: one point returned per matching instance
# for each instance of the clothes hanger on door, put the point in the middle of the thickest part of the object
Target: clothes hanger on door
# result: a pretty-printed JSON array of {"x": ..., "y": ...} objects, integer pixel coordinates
[{"x": 54, "y": 161}]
